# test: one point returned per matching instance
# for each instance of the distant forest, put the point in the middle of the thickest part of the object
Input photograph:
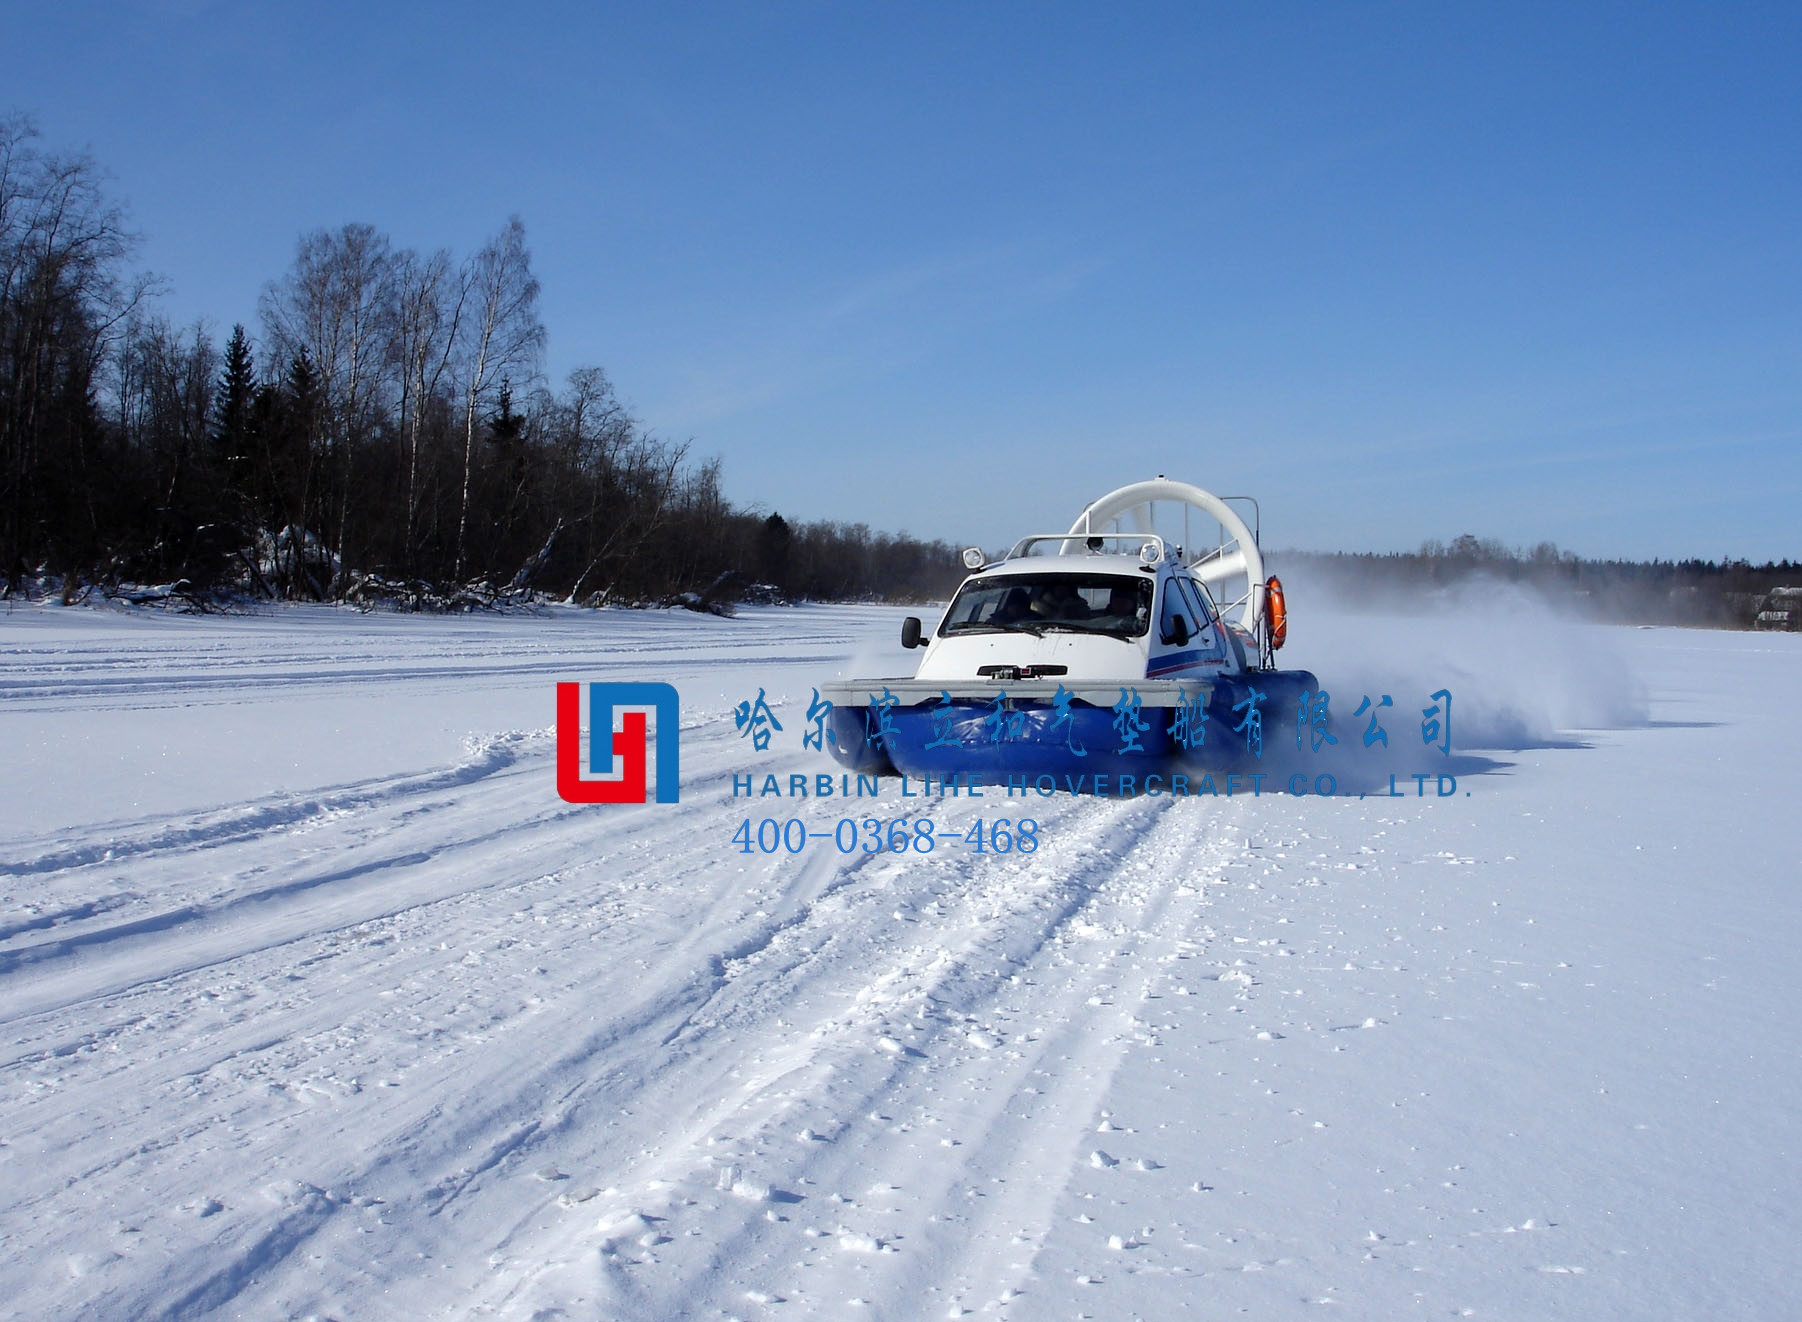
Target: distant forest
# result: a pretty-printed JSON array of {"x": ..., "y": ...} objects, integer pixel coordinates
[{"x": 387, "y": 437}]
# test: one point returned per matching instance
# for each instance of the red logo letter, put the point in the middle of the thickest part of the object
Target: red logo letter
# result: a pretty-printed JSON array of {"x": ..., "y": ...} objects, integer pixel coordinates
[{"x": 628, "y": 745}]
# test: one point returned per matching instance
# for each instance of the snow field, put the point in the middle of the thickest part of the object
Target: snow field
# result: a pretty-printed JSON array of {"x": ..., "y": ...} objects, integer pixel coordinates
[{"x": 341, "y": 1013}]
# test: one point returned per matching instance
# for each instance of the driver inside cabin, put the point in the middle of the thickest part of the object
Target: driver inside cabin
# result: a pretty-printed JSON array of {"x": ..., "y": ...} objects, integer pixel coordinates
[
  {"x": 1123, "y": 604},
  {"x": 1059, "y": 601},
  {"x": 1013, "y": 608}
]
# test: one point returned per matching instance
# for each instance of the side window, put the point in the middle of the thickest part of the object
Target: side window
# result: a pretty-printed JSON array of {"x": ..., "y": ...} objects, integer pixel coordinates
[
  {"x": 1198, "y": 601},
  {"x": 1213, "y": 641},
  {"x": 1175, "y": 607}
]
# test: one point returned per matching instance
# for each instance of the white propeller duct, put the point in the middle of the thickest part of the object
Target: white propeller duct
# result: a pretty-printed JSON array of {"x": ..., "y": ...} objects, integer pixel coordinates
[{"x": 1233, "y": 569}]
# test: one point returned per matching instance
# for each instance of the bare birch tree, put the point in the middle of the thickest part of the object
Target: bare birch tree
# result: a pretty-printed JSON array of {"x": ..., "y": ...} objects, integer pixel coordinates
[
  {"x": 502, "y": 336},
  {"x": 337, "y": 303},
  {"x": 429, "y": 303},
  {"x": 64, "y": 300}
]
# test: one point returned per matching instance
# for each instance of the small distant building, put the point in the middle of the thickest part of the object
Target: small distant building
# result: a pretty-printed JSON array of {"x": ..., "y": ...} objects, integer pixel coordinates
[{"x": 1781, "y": 610}]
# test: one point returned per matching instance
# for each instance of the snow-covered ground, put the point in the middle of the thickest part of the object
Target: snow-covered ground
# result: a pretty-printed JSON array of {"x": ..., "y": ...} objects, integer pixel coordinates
[{"x": 316, "y": 1001}]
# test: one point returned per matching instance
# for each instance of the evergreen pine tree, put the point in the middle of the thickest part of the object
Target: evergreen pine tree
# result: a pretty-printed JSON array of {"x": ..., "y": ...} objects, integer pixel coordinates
[{"x": 233, "y": 407}]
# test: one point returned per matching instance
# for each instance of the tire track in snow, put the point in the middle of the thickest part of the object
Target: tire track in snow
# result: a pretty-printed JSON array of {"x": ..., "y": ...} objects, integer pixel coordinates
[
  {"x": 103, "y": 693},
  {"x": 406, "y": 828},
  {"x": 280, "y": 813},
  {"x": 412, "y": 1149},
  {"x": 795, "y": 1074}
]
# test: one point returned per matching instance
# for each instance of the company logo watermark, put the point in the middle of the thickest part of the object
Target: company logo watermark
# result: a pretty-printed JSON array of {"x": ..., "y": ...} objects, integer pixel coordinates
[
  {"x": 619, "y": 758},
  {"x": 627, "y": 761}
]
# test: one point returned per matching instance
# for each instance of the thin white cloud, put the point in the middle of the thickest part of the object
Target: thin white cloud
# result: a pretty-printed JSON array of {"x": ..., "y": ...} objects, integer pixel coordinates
[{"x": 872, "y": 326}]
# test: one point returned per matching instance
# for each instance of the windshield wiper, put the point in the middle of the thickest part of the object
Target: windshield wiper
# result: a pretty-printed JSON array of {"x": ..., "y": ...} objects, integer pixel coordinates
[{"x": 1090, "y": 627}]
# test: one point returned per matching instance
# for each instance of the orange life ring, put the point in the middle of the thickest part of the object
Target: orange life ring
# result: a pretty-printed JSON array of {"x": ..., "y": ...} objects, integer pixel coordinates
[{"x": 1276, "y": 612}]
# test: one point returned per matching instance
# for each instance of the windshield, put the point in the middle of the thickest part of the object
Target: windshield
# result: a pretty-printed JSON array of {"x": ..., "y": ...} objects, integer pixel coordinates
[{"x": 1117, "y": 604}]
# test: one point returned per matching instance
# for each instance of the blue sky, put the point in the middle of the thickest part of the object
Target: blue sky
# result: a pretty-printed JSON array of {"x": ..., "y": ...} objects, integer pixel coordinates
[{"x": 1400, "y": 271}]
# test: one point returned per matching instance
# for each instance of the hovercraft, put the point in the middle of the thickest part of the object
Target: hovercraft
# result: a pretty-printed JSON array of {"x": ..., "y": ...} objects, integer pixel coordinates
[{"x": 1108, "y": 650}]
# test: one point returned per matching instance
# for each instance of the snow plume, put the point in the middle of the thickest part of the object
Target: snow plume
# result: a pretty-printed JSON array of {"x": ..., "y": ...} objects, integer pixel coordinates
[
  {"x": 879, "y": 652},
  {"x": 1520, "y": 674}
]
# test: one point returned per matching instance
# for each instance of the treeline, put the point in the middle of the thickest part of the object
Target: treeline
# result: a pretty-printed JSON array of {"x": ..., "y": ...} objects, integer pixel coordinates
[
  {"x": 1716, "y": 594},
  {"x": 386, "y": 435}
]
